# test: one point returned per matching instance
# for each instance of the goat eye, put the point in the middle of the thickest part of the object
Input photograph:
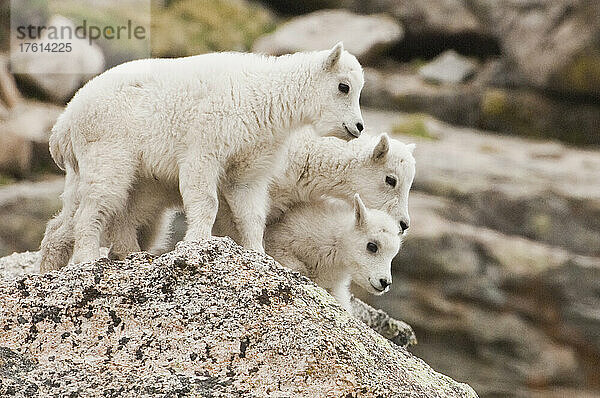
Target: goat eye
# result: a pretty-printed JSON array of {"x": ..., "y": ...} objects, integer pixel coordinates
[
  {"x": 372, "y": 247},
  {"x": 344, "y": 88},
  {"x": 390, "y": 181}
]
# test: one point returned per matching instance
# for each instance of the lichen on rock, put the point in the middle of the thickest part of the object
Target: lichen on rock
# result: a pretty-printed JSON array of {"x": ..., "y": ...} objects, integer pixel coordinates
[{"x": 208, "y": 319}]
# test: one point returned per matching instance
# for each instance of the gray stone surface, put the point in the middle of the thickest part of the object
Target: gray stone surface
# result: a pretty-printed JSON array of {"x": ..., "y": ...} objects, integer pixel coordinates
[
  {"x": 207, "y": 319},
  {"x": 365, "y": 36},
  {"x": 399, "y": 332},
  {"x": 9, "y": 94},
  {"x": 554, "y": 43},
  {"x": 449, "y": 67},
  {"x": 24, "y": 133},
  {"x": 25, "y": 208},
  {"x": 515, "y": 111},
  {"x": 58, "y": 75},
  {"x": 444, "y": 17},
  {"x": 19, "y": 264}
]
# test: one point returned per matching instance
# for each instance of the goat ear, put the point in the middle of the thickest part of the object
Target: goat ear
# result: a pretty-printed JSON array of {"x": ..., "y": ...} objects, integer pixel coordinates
[
  {"x": 360, "y": 211},
  {"x": 334, "y": 56},
  {"x": 382, "y": 147},
  {"x": 411, "y": 147}
]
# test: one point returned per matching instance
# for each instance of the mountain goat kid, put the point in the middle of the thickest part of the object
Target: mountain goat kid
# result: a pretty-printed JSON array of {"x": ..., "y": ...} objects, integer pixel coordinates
[
  {"x": 334, "y": 244},
  {"x": 187, "y": 123},
  {"x": 379, "y": 168}
]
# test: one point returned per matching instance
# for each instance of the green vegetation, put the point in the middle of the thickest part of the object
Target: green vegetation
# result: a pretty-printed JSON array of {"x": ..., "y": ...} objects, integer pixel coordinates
[
  {"x": 542, "y": 225},
  {"x": 514, "y": 113},
  {"x": 417, "y": 63},
  {"x": 582, "y": 75},
  {"x": 415, "y": 126},
  {"x": 117, "y": 14},
  {"x": 183, "y": 27},
  {"x": 5, "y": 180},
  {"x": 494, "y": 102},
  {"x": 188, "y": 27}
]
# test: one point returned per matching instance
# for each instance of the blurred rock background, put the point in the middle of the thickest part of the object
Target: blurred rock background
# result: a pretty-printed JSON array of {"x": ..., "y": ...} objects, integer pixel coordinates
[{"x": 500, "y": 272}]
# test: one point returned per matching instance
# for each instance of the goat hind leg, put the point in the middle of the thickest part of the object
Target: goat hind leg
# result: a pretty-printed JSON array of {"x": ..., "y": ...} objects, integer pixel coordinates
[
  {"x": 57, "y": 245},
  {"x": 106, "y": 178}
]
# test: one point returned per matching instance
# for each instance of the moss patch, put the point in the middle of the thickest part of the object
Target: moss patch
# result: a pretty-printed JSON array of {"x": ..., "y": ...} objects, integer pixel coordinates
[
  {"x": 417, "y": 63},
  {"x": 415, "y": 126},
  {"x": 494, "y": 103},
  {"x": 582, "y": 76},
  {"x": 5, "y": 180},
  {"x": 513, "y": 113},
  {"x": 541, "y": 224}
]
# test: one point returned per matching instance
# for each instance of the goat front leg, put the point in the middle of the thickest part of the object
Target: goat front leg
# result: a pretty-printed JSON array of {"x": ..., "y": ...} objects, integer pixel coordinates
[
  {"x": 248, "y": 202},
  {"x": 198, "y": 186}
]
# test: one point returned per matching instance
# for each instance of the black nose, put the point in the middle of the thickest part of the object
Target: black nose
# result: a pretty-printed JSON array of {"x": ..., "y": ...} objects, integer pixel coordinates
[
  {"x": 384, "y": 283},
  {"x": 403, "y": 226},
  {"x": 359, "y": 126}
]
